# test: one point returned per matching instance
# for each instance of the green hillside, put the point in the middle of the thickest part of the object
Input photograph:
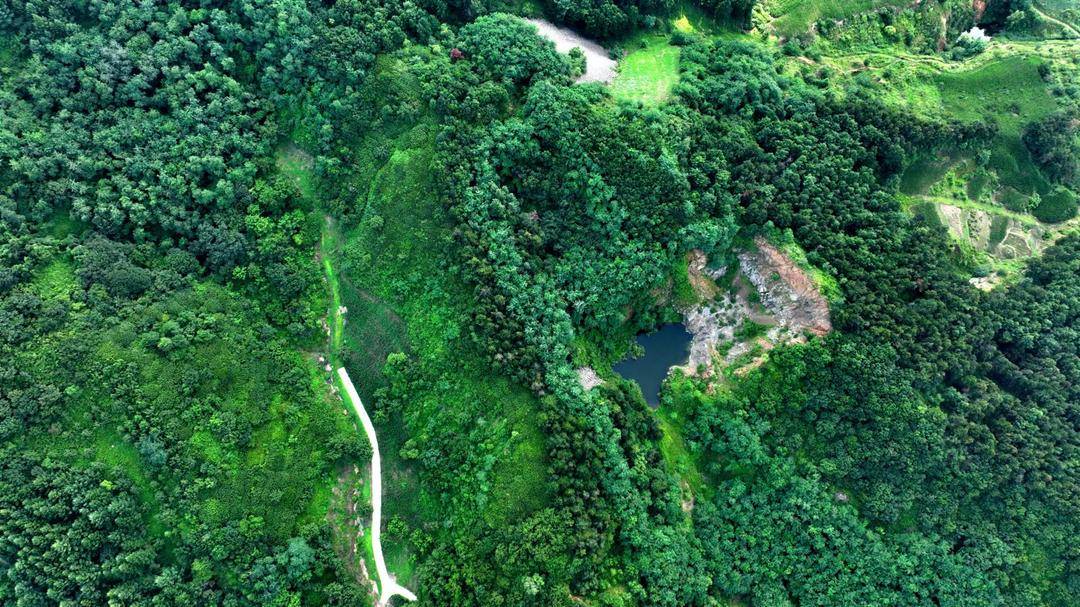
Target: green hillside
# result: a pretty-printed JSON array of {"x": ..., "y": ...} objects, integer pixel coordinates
[{"x": 775, "y": 305}]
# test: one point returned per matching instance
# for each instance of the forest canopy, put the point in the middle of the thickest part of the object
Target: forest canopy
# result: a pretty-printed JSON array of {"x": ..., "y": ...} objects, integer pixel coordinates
[{"x": 208, "y": 208}]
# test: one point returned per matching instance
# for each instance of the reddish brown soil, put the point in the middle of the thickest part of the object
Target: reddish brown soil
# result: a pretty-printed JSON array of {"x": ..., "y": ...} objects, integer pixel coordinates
[
  {"x": 787, "y": 290},
  {"x": 979, "y": 6}
]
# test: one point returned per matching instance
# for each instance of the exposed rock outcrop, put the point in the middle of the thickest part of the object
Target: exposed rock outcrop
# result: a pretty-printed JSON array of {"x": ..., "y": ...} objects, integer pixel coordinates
[
  {"x": 588, "y": 378},
  {"x": 786, "y": 289},
  {"x": 728, "y": 327}
]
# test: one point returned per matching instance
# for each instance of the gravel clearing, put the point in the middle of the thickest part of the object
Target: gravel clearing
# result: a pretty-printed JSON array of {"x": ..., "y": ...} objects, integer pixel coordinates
[{"x": 598, "y": 66}]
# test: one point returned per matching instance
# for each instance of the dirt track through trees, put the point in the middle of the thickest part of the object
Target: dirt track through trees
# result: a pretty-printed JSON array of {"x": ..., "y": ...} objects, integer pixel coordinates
[{"x": 388, "y": 586}]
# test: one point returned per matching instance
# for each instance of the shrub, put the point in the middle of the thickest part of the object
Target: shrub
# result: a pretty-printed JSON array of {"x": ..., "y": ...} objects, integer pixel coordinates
[
  {"x": 1057, "y": 206},
  {"x": 1015, "y": 201}
]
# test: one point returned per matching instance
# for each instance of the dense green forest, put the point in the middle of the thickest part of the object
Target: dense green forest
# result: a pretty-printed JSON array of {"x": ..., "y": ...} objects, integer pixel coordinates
[{"x": 206, "y": 206}]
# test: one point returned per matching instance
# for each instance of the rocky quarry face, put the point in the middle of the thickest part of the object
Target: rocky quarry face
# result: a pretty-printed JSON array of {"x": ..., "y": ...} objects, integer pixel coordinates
[
  {"x": 786, "y": 290},
  {"x": 791, "y": 307}
]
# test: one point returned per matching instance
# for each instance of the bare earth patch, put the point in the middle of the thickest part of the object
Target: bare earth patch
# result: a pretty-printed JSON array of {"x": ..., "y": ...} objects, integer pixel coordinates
[
  {"x": 985, "y": 283},
  {"x": 1018, "y": 240},
  {"x": 701, "y": 278},
  {"x": 588, "y": 378},
  {"x": 348, "y": 527},
  {"x": 770, "y": 301}
]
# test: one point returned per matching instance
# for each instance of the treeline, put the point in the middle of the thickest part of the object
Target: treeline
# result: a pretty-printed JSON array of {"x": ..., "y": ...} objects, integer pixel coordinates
[
  {"x": 613, "y": 18},
  {"x": 151, "y": 122}
]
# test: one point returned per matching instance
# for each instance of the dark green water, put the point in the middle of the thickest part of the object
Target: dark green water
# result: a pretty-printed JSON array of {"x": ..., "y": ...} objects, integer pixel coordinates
[{"x": 668, "y": 346}]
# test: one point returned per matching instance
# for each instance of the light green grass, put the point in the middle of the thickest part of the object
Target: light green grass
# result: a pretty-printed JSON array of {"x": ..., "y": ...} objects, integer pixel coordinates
[
  {"x": 337, "y": 331},
  {"x": 909, "y": 201},
  {"x": 396, "y": 257},
  {"x": 647, "y": 74},
  {"x": 1011, "y": 92},
  {"x": 111, "y": 449},
  {"x": 297, "y": 165},
  {"x": 677, "y": 455},
  {"x": 922, "y": 173},
  {"x": 55, "y": 280},
  {"x": 1009, "y": 89},
  {"x": 1005, "y": 88},
  {"x": 688, "y": 17},
  {"x": 793, "y": 17}
]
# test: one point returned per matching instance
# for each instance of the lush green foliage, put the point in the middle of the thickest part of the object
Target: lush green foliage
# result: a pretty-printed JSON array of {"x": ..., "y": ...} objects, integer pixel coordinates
[
  {"x": 172, "y": 177},
  {"x": 606, "y": 18},
  {"x": 206, "y": 471},
  {"x": 1054, "y": 142},
  {"x": 911, "y": 386}
]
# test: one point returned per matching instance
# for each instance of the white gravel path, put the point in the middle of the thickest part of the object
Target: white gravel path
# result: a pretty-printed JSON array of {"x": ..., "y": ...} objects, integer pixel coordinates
[
  {"x": 387, "y": 584},
  {"x": 598, "y": 66}
]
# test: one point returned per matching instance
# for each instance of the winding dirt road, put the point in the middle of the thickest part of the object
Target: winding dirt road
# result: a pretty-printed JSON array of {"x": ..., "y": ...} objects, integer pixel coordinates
[
  {"x": 1064, "y": 26},
  {"x": 388, "y": 586}
]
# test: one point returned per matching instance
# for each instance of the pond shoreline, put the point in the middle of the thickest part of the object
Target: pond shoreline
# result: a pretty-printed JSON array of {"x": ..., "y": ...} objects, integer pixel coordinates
[{"x": 665, "y": 349}]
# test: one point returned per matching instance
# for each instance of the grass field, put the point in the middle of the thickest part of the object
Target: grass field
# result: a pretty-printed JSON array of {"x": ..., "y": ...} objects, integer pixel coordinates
[
  {"x": 1011, "y": 92},
  {"x": 1003, "y": 85},
  {"x": 793, "y": 17},
  {"x": 648, "y": 73},
  {"x": 689, "y": 17},
  {"x": 1006, "y": 89}
]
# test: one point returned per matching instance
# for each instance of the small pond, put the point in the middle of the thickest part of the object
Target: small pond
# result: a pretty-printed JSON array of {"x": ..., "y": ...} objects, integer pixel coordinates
[{"x": 665, "y": 348}]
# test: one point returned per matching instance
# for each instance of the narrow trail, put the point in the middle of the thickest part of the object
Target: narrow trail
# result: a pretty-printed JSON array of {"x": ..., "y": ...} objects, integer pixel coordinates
[
  {"x": 388, "y": 586},
  {"x": 1065, "y": 26},
  {"x": 995, "y": 51}
]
